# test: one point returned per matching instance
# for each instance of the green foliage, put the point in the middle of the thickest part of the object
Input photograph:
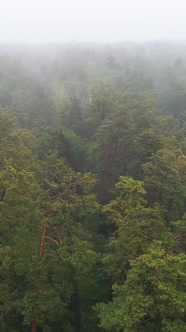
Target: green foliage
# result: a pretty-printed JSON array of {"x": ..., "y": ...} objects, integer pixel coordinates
[
  {"x": 65, "y": 261},
  {"x": 136, "y": 226},
  {"x": 165, "y": 179},
  {"x": 66, "y": 143},
  {"x": 152, "y": 297},
  {"x": 149, "y": 278}
]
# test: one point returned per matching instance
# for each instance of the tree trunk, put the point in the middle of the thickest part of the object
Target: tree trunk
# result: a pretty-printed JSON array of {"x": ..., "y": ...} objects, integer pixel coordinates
[
  {"x": 33, "y": 325},
  {"x": 77, "y": 309},
  {"x": 42, "y": 243}
]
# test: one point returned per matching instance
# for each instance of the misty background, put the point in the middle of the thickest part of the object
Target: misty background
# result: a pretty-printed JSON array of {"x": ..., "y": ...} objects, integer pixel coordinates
[{"x": 41, "y": 21}]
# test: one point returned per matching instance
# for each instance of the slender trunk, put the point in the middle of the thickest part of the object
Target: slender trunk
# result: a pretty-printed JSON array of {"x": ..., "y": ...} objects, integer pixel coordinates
[
  {"x": 122, "y": 271},
  {"x": 151, "y": 197},
  {"x": 42, "y": 243},
  {"x": 75, "y": 304},
  {"x": 77, "y": 308},
  {"x": 150, "y": 289},
  {"x": 36, "y": 287},
  {"x": 121, "y": 277},
  {"x": 153, "y": 190},
  {"x": 138, "y": 250},
  {"x": 33, "y": 325},
  {"x": 104, "y": 189},
  {"x": 104, "y": 182}
]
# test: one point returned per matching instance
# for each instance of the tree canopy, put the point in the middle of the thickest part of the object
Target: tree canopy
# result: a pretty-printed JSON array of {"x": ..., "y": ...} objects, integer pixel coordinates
[{"x": 93, "y": 188}]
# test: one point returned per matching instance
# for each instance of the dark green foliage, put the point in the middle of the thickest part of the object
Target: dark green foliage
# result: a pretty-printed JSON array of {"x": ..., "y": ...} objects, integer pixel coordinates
[
  {"x": 93, "y": 189},
  {"x": 67, "y": 144}
]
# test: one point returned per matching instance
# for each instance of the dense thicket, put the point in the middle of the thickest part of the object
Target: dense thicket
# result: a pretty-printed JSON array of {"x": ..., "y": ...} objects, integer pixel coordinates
[{"x": 93, "y": 187}]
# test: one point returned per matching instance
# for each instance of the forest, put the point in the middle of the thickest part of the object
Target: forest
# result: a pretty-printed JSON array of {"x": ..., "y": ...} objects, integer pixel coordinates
[{"x": 93, "y": 187}]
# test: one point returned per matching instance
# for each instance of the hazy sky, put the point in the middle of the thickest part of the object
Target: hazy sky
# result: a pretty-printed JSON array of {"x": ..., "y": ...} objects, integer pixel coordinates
[{"x": 91, "y": 20}]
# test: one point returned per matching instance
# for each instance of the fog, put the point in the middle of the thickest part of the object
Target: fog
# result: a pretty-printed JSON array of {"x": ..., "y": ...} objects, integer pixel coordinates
[{"x": 41, "y": 21}]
